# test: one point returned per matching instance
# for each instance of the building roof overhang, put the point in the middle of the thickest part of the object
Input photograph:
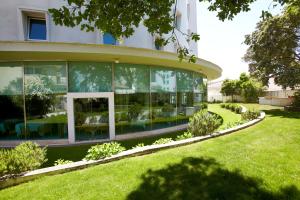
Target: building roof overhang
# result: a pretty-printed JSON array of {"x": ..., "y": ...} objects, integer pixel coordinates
[{"x": 53, "y": 51}]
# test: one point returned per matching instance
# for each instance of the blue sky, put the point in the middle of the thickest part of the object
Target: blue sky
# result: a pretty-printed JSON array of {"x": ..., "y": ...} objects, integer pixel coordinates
[{"x": 221, "y": 42}]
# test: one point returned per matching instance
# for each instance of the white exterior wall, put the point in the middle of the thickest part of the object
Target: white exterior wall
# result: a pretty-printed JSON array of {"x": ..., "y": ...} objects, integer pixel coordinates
[{"x": 12, "y": 25}]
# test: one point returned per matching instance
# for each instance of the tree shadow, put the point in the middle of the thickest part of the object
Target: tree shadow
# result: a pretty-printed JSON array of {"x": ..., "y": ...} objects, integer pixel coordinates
[
  {"x": 201, "y": 178},
  {"x": 281, "y": 113}
]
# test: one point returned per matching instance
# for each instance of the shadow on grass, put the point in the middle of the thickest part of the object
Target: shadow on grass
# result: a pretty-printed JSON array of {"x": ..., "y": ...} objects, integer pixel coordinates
[
  {"x": 200, "y": 178},
  {"x": 281, "y": 113}
]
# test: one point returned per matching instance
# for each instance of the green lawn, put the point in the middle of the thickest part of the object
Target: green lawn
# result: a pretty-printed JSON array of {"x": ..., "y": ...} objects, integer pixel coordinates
[
  {"x": 260, "y": 162},
  {"x": 227, "y": 115}
]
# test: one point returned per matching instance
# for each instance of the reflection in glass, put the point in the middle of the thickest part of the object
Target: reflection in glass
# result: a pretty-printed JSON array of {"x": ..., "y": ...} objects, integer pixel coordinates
[
  {"x": 90, "y": 77},
  {"x": 185, "y": 107},
  {"x": 132, "y": 108},
  {"x": 199, "y": 91},
  {"x": 91, "y": 118},
  {"x": 45, "y": 100},
  {"x": 163, "y": 98},
  {"x": 11, "y": 101}
]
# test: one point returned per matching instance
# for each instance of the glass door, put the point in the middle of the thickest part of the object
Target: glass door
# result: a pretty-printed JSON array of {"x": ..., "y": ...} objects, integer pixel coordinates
[{"x": 91, "y": 118}]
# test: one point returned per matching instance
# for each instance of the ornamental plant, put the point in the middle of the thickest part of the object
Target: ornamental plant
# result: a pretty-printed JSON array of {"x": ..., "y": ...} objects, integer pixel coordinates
[
  {"x": 250, "y": 115},
  {"x": 62, "y": 162},
  {"x": 203, "y": 123},
  {"x": 163, "y": 141},
  {"x": 185, "y": 135},
  {"x": 24, "y": 157},
  {"x": 104, "y": 150}
]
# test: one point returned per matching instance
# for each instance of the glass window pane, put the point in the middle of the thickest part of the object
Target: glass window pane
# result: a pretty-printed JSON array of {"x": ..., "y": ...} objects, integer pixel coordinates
[
  {"x": 132, "y": 93},
  {"x": 200, "y": 90},
  {"x": 185, "y": 107},
  {"x": 90, "y": 77},
  {"x": 11, "y": 101},
  {"x": 37, "y": 29},
  {"x": 91, "y": 118},
  {"x": 45, "y": 100},
  {"x": 109, "y": 39},
  {"x": 163, "y": 97}
]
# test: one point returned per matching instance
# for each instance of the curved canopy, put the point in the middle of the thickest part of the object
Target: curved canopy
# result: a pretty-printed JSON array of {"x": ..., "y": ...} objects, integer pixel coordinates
[{"x": 49, "y": 51}]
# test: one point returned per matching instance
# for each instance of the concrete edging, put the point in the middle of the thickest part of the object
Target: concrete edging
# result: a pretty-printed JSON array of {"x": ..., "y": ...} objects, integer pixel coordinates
[{"x": 128, "y": 153}]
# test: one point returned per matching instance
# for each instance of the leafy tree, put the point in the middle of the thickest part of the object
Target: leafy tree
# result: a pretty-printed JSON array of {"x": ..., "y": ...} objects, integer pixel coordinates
[
  {"x": 274, "y": 48},
  {"x": 229, "y": 88},
  {"x": 247, "y": 87},
  {"x": 121, "y": 17}
]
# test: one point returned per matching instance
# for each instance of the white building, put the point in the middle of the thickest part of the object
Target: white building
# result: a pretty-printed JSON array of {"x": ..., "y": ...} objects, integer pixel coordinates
[{"x": 61, "y": 85}]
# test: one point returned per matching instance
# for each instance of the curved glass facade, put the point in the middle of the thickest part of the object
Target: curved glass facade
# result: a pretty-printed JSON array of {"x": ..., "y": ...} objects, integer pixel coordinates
[{"x": 33, "y": 97}]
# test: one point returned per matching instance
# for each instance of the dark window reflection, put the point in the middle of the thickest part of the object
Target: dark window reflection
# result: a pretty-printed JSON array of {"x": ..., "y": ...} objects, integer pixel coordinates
[
  {"x": 45, "y": 100},
  {"x": 91, "y": 118},
  {"x": 185, "y": 99},
  {"x": 132, "y": 107},
  {"x": 11, "y": 101},
  {"x": 163, "y": 98},
  {"x": 90, "y": 77}
]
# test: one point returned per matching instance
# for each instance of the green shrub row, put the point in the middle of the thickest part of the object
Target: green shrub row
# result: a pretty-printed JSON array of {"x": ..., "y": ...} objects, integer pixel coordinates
[
  {"x": 233, "y": 107},
  {"x": 104, "y": 150},
  {"x": 24, "y": 157}
]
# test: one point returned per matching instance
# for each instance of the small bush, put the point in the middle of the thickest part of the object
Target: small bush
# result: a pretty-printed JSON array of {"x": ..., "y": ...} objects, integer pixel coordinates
[
  {"x": 185, "y": 135},
  {"x": 238, "y": 109},
  {"x": 104, "y": 150},
  {"x": 24, "y": 157},
  {"x": 203, "y": 123},
  {"x": 138, "y": 145},
  {"x": 62, "y": 162},
  {"x": 222, "y": 105},
  {"x": 250, "y": 115},
  {"x": 163, "y": 141}
]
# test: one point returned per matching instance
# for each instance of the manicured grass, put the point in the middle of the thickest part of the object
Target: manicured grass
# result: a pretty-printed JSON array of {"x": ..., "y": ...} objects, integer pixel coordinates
[
  {"x": 227, "y": 115},
  {"x": 260, "y": 162}
]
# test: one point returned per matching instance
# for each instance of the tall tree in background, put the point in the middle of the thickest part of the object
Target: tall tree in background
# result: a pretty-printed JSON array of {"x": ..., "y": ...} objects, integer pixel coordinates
[
  {"x": 121, "y": 17},
  {"x": 274, "y": 48},
  {"x": 230, "y": 88}
]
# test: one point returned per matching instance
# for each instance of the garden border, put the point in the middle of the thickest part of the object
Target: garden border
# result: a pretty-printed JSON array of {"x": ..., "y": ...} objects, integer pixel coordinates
[{"x": 59, "y": 169}]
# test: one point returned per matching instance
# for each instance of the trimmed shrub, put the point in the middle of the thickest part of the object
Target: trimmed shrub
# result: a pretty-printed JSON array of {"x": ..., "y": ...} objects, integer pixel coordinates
[
  {"x": 185, "y": 135},
  {"x": 250, "y": 115},
  {"x": 62, "y": 162},
  {"x": 163, "y": 141},
  {"x": 24, "y": 157},
  {"x": 238, "y": 109},
  {"x": 104, "y": 150},
  {"x": 203, "y": 123},
  {"x": 222, "y": 105}
]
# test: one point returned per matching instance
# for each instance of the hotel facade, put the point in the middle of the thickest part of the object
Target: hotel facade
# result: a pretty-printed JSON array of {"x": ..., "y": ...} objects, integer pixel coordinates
[{"x": 61, "y": 85}]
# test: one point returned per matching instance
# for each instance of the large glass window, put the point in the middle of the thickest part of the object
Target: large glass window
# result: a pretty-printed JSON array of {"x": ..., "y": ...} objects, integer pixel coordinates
[
  {"x": 163, "y": 97},
  {"x": 199, "y": 91},
  {"x": 11, "y": 101},
  {"x": 185, "y": 107},
  {"x": 45, "y": 100},
  {"x": 37, "y": 29},
  {"x": 132, "y": 107},
  {"x": 90, "y": 77}
]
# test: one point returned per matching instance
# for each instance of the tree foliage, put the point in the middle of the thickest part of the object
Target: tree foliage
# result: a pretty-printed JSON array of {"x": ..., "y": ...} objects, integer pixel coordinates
[
  {"x": 121, "y": 17},
  {"x": 229, "y": 88},
  {"x": 247, "y": 87},
  {"x": 274, "y": 48}
]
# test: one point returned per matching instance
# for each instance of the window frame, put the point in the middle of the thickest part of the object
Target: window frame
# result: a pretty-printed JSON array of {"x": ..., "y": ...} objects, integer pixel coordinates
[{"x": 28, "y": 28}]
